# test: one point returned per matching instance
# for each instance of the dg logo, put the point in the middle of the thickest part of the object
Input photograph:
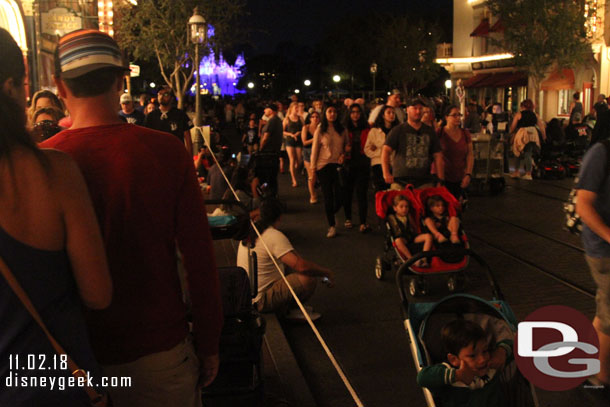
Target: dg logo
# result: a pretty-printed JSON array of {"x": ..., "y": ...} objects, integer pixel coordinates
[{"x": 556, "y": 348}]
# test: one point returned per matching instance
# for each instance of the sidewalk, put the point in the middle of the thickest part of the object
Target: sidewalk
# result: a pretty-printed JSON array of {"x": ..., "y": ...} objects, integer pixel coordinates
[{"x": 284, "y": 384}]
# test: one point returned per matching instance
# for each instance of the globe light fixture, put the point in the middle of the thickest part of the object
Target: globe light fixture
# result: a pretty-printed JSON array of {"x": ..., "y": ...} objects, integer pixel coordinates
[
  {"x": 153, "y": 85},
  {"x": 198, "y": 30},
  {"x": 297, "y": 91},
  {"x": 448, "y": 84},
  {"x": 307, "y": 82},
  {"x": 336, "y": 79},
  {"x": 250, "y": 85}
]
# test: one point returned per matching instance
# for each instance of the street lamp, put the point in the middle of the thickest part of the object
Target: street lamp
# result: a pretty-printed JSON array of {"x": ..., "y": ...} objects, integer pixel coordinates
[
  {"x": 336, "y": 79},
  {"x": 448, "y": 85},
  {"x": 197, "y": 28},
  {"x": 374, "y": 72}
]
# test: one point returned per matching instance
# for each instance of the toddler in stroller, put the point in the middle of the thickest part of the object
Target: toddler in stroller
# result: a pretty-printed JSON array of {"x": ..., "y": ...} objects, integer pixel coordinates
[
  {"x": 439, "y": 223},
  {"x": 468, "y": 375},
  {"x": 405, "y": 231},
  {"x": 442, "y": 261}
]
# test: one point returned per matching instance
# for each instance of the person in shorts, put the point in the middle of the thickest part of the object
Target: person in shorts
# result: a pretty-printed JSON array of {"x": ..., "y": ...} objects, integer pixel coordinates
[
  {"x": 593, "y": 207},
  {"x": 273, "y": 294}
]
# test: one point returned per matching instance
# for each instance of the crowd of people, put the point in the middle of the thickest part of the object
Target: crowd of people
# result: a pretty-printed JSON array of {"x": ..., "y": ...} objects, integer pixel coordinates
[{"x": 86, "y": 211}]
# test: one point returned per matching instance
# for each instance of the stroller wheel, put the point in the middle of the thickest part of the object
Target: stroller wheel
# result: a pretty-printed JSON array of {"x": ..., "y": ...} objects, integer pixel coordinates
[
  {"x": 379, "y": 269},
  {"x": 417, "y": 287}
]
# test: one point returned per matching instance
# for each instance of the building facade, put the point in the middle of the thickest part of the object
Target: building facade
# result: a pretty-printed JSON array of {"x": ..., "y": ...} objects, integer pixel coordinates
[{"x": 489, "y": 72}]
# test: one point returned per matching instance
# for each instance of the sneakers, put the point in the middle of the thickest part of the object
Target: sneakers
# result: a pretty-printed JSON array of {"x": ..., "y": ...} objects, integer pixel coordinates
[
  {"x": 332, "y": 232},
  {"x": 527, "y": 177},
  {"x": 348, "y": 224},
  {"x": 296, "y": 315}
]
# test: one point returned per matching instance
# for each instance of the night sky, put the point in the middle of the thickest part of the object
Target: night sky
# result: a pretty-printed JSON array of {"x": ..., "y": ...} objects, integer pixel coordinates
[{"x": 305, "y": 21}]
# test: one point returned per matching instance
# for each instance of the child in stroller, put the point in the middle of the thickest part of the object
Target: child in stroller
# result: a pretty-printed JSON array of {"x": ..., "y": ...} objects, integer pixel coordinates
[
  {"x": 443, "y": 261},
  {"x": 405, "y": 230},
  {"x": 468, "y": 375},
  {"x": 439, "y": 223}
]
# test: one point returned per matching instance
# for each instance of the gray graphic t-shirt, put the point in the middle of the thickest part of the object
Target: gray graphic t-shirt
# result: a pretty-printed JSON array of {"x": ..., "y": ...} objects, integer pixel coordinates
[{"x": 413, "y": 150}]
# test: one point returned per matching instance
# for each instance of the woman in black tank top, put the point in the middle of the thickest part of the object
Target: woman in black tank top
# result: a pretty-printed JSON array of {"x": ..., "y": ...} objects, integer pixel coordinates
[
  {"x": 50, "y": 241},
  {"x": 311, "y": 124},
  {"x": 524, "y": 119},
  {"x": 294, "y": 146}
]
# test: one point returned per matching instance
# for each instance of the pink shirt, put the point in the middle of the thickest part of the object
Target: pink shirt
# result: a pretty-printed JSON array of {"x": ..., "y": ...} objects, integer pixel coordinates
[{"x": 331, "y": 146}]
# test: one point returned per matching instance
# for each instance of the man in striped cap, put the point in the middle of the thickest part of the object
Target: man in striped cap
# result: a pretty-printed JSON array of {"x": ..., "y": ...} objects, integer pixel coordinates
[{"x": 148, "y": 203}]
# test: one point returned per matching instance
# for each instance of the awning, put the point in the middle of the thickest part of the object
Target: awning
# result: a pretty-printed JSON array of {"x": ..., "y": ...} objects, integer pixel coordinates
[
  {"x": 498, "y": 27},
  {"x": 497, "y": 80},
  {"x": 514, "y": 79},
  {"x": 482, "y": 29},
  {"x": 563, "y": 79},
  {"x": 473, "y": 81}
]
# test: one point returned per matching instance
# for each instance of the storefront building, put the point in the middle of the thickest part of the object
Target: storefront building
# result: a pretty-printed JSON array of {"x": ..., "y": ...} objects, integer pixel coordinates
[{"x": 489, "y": 72}]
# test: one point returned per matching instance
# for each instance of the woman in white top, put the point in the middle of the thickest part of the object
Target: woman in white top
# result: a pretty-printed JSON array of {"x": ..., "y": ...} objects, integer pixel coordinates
[
  {"x": 385, "y": 121},
  {"x": 327, "y": 155}
]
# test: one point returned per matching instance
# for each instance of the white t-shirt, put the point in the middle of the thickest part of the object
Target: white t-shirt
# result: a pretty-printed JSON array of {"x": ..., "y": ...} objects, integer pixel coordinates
[{"x": 279, "y": 245}]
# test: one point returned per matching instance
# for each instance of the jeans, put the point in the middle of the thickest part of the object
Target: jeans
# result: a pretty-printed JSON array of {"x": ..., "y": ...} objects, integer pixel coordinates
[
  {"x": 358, "y": 179},
  {"x": 526, "y": 155},
  {"x": 331, "y": 190}
]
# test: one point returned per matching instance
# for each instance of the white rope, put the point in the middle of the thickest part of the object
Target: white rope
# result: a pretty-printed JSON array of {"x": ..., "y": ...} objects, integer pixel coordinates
[{"x": 329, "y": 353}]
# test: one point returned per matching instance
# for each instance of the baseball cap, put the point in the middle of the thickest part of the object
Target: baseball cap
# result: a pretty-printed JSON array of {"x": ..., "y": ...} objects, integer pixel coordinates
[
  {"x": 126, "y": 98},
  {"x": 415, "y": 101},
  {"x": 84, "y": 51}
]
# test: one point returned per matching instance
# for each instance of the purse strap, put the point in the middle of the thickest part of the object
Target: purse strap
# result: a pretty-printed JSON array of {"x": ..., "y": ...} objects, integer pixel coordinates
[{"x": 96, "y": 398}]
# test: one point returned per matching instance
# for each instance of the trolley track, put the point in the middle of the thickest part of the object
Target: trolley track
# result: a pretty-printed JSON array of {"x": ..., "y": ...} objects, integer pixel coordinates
[
  {"x": 526, "y": 229},
  {"x": 536, "y": 267}
]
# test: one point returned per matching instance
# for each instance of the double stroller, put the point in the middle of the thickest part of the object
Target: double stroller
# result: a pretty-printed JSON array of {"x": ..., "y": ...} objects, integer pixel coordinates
[
  {"x": 424, "y": 321},
  {"x": 445, "y": 259}
]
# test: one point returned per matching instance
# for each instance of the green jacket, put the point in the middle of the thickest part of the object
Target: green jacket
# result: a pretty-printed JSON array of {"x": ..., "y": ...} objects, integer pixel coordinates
[{"x": 483, "y": 392}]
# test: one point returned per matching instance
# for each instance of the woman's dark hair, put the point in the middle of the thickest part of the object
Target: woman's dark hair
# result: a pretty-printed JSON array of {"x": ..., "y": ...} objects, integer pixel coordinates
[
  {"x": 308, "y": 119},
  {"x": 51, "y": 111},
  {"x": 360, "y": 124},
  {"x": 380, "y": 121},
  {"x": 447, "y": 112},
  {"x": 527, "y": 104},
  {"x": 13, "y": 131},
  {"x": 270, "y": 211},
  {"x": 336, "y": 124}
]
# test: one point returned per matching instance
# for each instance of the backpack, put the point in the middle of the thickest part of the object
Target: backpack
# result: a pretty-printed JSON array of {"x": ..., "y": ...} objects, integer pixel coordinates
[{"x": 573, "y": 222}]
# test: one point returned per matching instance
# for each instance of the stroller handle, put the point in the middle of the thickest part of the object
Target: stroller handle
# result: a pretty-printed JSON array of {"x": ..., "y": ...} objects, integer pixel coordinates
[{"x": 404, "y": 270}]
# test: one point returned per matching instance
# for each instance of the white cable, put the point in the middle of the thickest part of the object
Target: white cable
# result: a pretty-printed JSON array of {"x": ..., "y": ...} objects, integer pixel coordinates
[{"x": 330, "y": 355}]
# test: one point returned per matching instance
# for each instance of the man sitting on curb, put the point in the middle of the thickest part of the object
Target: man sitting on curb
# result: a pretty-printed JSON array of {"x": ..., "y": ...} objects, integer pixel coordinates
[{"x": 273, "y": 294}]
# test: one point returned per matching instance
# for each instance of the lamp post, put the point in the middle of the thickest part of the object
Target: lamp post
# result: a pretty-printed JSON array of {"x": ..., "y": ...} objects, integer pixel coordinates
[
  {"x": 197, "y": 30},
  {"x": 374, "y": 72}
]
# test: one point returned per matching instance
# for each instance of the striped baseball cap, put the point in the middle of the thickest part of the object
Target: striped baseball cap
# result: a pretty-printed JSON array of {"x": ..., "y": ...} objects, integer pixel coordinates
[{"x": 83, "y": 51}]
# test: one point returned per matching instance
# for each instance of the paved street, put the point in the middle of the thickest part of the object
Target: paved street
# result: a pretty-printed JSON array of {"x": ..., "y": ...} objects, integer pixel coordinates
[{"x": 519, "y": 233}]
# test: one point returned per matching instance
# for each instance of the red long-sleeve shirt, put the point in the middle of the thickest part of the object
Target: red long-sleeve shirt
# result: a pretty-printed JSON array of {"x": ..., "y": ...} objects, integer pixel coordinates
[{"x": 145, "y": 193}]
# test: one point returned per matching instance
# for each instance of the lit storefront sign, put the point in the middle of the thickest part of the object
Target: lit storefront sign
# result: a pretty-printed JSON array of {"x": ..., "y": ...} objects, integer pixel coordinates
[{"x": 60, "y": 21}]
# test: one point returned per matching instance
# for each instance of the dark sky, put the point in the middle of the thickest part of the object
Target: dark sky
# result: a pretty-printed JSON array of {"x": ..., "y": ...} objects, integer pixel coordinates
[{"x": 305, "y": 21}]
